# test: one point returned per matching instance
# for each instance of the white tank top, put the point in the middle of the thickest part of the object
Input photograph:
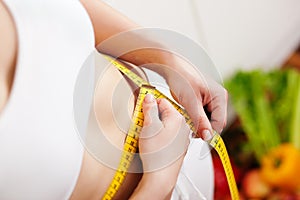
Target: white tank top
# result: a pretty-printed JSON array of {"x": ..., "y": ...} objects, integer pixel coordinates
[{"x": 40, "y": 150}]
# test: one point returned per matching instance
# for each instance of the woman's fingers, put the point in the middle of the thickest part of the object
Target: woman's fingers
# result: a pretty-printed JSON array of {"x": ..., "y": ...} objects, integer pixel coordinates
[
  {"x": 218, "y": 109},
  {"x": 163, "y": 140}
]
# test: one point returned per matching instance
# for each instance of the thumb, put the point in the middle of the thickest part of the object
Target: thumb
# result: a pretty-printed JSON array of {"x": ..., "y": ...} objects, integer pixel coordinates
[
  {"x": 150, "y": 110},
  {"x": 152, "y": 124},
  {"x": 197, "y": 113},
  {"x": 204, "y": 128}
]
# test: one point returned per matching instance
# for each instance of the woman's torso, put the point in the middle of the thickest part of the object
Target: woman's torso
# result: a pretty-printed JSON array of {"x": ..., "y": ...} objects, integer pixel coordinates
[{"x": 42, "y": 154}]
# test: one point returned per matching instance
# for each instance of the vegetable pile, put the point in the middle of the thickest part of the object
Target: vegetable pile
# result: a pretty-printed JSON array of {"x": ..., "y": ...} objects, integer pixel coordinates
[{"x": 268, "y": 107}]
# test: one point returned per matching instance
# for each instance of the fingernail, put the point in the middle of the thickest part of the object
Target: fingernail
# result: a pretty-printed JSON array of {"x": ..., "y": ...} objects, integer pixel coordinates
[
  {"x": 149, "y": 98},
  {"x": 206, "y": 135}
]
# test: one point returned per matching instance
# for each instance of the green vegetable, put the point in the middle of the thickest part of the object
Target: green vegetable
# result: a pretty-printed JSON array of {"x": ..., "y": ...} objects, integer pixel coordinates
[
  {"x": 268, "y": 105},
  {"x": 295, "y": 123}
]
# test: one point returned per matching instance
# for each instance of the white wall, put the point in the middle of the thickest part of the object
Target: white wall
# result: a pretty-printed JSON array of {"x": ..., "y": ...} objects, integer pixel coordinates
[
  {"x": 250, "y": 33},
  {"x": 169, "y": 14},
  {"x": 237, "y": 34}
]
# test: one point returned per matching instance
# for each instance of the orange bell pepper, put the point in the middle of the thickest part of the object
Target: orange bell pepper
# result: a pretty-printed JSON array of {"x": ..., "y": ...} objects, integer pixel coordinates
[{"x": 280, "y": 167}]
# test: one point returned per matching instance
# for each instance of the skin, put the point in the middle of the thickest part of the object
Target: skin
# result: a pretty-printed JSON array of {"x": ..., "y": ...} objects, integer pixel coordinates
[
  {"x": 94, "y": 177},
  {"x": 8, "y": 52}
]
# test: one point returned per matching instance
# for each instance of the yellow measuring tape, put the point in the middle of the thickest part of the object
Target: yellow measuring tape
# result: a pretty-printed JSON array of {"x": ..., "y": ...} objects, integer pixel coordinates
[{"x": 131, "y": 141}]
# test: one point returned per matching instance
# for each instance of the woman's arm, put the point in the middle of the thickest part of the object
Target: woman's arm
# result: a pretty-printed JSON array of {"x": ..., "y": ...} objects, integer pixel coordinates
[{"x": 107, "y": 22}]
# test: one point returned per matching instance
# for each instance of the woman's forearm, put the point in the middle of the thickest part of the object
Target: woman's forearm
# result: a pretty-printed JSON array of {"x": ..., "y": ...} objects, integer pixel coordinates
[{"x": 107, "y": 22}]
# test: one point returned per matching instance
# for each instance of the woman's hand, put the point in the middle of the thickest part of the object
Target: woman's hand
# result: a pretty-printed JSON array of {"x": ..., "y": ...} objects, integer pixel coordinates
[
  {"x": 163, "y": 143},
  {"x": 194, "y": 92},
  {"x": 197, "y": 93}
]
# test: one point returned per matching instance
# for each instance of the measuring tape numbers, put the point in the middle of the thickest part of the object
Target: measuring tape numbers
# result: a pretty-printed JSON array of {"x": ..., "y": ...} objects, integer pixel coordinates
[{"x": 131, "y": 141}]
